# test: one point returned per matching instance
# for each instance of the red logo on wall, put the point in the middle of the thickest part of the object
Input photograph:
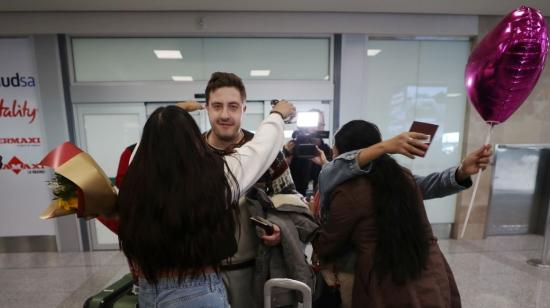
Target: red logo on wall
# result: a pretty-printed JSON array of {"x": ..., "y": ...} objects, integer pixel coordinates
[
  {"x": 16, "y": 165},
  {"x": 17, "y": 110},
  {"x": 20, "y": 140}
]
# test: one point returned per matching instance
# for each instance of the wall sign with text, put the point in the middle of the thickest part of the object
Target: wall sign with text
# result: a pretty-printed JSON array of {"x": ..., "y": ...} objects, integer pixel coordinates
[{"x": 22, "y": 179}]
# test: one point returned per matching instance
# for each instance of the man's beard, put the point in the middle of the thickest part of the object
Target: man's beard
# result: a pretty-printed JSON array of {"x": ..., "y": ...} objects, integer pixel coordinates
[{"x": 227, "y": 137}]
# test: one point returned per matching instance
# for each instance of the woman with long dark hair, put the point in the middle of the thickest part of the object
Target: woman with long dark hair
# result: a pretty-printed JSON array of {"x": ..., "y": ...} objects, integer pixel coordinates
[
  {"x": 381, "y": 218},
  {"x": 178, "y": 206}
]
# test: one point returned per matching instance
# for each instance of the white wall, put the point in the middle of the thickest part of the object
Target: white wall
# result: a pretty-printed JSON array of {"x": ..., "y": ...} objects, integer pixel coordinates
[{"x": 247, "y": 23}]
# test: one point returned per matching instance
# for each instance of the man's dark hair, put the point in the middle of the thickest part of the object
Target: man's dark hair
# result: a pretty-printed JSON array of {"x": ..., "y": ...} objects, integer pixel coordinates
[
  {"x": 178, "y": 212},
  {"x": 221, "y": 80}
]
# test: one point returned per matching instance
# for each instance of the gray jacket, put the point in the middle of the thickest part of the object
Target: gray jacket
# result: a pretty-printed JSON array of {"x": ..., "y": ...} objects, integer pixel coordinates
[
  {"x": 345, "y": 167},
  {"x": 287, "y": 260}
]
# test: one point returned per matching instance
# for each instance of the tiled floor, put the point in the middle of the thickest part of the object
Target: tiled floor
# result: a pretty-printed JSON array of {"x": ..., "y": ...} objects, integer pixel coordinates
[
  {"x": 56, "y": 279},
  {"x": 490, "y": 273},
  {"x": 494, "y": 273}
]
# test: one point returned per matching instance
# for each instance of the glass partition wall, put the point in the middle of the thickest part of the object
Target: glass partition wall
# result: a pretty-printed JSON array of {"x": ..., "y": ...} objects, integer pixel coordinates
[
  {"x": 194, "y": 59},
  {"x": 420, "y": 80},
  {"x": 117, "y": 82}
]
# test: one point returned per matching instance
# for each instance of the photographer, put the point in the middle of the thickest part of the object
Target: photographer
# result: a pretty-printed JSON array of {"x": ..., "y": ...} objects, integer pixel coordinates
[{"x": 300, "y": 151}]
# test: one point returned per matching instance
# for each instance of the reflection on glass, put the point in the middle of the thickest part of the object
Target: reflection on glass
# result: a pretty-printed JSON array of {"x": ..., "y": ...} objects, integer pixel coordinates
[
  {"x": 168, "y": 54},
  {"x": 260, "y": 73},
  {"x": 413, "y": 80},
  {"x": 137, "y": 59},
  {"x": 515, "y": 169},
  {"x": 373, "y": 52},
  {"x": 450, "y": 142},
  {"x": 182, "y": 78}
]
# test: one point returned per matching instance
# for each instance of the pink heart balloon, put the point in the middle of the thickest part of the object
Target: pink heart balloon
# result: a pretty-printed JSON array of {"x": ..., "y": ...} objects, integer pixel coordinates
[{"x": 505, "y": 66}]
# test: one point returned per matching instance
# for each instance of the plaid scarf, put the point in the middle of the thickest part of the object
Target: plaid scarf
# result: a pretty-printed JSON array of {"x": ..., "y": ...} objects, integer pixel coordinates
[{"x": 276, "y": 180}]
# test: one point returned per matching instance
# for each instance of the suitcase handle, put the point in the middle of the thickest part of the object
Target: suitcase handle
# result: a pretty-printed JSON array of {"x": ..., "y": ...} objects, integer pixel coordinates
[
  {"x": 286, "y": 283},
  {"x": 111, "y": 292}
]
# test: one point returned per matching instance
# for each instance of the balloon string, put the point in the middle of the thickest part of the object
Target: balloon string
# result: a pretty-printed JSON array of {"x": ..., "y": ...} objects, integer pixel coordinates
[{"x": 478, "y": 177}]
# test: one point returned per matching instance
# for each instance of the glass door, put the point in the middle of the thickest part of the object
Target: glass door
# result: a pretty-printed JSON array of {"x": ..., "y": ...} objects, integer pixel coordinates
[{"x": 104, "y": 131}]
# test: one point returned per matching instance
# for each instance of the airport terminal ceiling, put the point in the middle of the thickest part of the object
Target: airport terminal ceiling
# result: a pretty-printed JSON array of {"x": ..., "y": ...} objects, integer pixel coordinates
[{"x": 464, "y": 7}]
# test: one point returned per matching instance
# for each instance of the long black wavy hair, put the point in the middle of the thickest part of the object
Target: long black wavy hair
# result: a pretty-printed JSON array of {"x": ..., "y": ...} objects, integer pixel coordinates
[
  {"x": 402, "y": 243},
  {"x": 177, "y": 206}
]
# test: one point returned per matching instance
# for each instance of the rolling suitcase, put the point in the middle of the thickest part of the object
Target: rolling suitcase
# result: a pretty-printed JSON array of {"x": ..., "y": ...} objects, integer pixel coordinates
[
  {"x": 286, "y": 283},
  {"x": 117, "y": 295}
]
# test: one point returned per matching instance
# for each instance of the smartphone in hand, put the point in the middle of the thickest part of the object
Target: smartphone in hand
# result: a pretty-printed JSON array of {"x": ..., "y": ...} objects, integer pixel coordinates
[
  {"x": 263, "y": 223},
  {"x": 426, "y": 129}
]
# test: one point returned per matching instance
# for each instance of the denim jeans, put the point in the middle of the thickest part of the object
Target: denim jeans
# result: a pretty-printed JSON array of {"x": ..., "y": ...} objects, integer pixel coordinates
[{"x": 204, "y": 291}]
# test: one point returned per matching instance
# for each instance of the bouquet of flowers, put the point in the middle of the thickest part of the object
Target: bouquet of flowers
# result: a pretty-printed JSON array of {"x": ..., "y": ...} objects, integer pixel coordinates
[
  {"x": 65, "y": 193},
  {"x": 79, "y": 185}
]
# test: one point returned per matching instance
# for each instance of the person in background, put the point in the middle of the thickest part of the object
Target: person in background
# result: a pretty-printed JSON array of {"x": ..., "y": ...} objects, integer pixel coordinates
[
  {"x": 178, "y": 206},
  {"x": 303, "y": 170},
  {"x": 123, "y": 163}
]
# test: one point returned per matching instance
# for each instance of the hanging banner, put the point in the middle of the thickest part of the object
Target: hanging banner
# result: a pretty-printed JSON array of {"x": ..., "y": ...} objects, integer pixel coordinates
[{"x": 23, "y": 188}]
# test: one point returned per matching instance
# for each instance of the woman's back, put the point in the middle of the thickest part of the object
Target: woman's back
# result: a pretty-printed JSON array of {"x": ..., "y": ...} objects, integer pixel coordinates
[
  {"x": 381, "y": 217},
  {"x": 352, "y": 224},
  {"x": 176, "y": 204}
]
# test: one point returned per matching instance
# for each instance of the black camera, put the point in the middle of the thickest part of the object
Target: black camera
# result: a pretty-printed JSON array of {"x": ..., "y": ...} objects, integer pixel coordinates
[
  {"x": 307, "y": 123},
  {"x": 305, "y": 146},
  {"x": 308, "y": 130}
]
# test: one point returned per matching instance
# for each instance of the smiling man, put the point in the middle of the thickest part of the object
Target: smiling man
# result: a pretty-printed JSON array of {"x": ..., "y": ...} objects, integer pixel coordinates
[{"x": 226, "y": 104}]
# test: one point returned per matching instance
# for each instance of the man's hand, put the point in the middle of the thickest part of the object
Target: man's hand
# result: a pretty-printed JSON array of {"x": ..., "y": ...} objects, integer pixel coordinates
[
  {"x": 320, "y": 159},
  {"x": 190, "y": 106},
  {"x": 285, "y": 108},
  {"x": 409, "y": 144},
  {"x": 273, "y": 239},
  {"x": 289, "y": 146},
  {"x": 288, "y": 150},
  {"x": 473, "y": 162}
]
